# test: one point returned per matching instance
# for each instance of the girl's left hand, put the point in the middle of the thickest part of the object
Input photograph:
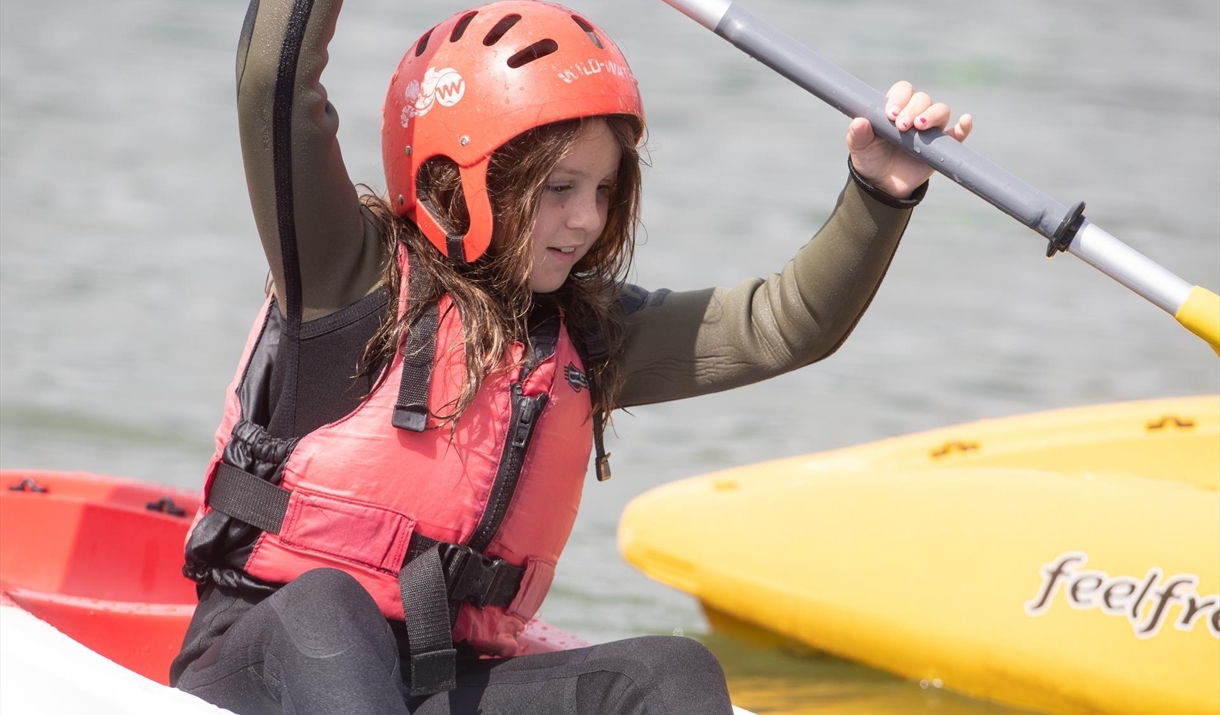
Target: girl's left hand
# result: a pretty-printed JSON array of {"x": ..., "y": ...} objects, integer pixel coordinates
[{"x": 884, "y": 165}]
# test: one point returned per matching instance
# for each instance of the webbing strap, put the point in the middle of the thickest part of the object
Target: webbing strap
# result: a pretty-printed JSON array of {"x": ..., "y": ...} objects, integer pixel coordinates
[
  {"x": 467, "y": 575},
  {"x": 419, "y": 354},
  {"x": 431, "y": 587},
  {"x": 433, "y": 666},
  {"x": 455, "y": 248},
  {"x": 247, "y": 498}
]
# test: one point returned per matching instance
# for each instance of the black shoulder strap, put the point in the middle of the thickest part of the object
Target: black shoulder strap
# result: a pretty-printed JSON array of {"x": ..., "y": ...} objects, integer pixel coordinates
[{"x": 419, "y": 355}]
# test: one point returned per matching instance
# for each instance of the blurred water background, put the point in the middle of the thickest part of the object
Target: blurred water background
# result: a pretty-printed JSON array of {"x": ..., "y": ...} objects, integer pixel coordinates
[{"x": 130, "y": 269}]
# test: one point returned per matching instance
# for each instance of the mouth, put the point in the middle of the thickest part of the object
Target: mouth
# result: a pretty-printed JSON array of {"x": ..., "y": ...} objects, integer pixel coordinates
[{"x": 566, "y": 254}]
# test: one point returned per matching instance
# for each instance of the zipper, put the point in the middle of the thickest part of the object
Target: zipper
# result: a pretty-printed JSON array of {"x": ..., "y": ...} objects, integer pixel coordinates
[{"x": 525, "y": 413}]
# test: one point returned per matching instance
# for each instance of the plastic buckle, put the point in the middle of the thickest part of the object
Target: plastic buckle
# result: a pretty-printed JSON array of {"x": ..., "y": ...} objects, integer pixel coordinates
[
  {"x": 411, "y": 417},
  {"x": 469, "y": 574}
]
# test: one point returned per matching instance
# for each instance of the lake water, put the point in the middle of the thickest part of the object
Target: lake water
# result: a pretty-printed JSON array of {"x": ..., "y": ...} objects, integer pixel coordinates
[{"x": 130, "y": 269}]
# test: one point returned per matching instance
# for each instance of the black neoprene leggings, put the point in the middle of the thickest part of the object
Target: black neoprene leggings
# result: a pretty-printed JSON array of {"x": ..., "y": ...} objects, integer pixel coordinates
[{"x": 320, "y": 646}]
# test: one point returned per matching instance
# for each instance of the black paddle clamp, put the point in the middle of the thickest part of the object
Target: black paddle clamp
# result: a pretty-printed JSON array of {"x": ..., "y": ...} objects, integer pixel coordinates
[{"x": 1067, "y": 230}]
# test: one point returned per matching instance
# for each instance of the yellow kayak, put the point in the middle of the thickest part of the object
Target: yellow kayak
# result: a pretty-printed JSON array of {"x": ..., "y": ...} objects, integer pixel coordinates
[{"x": 1067, "y": 562}]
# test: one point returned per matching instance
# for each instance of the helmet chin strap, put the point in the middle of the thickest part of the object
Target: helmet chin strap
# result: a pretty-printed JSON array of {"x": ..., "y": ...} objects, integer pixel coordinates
[
  {"x": 450, "y": 244},
  {"x": 478, "y": 204},
  {"x": 457, "y": 247}
]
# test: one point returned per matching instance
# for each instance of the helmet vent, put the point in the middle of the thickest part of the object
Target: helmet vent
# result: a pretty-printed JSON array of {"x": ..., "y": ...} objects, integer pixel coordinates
[
  {"x": 460, "y": 28},
  {"x": 538, "y": 50},
  {"x": 423, "y": 43},
  {"x": 584, "y": 25},
  {"x": 504, "y": 25}
]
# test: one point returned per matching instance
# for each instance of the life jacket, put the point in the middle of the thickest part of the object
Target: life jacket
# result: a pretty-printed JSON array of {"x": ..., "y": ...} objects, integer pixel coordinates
[{"x": 444, "y": 523}]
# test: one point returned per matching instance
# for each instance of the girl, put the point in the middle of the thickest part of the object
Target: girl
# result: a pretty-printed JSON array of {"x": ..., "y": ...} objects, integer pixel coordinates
[{"x": 403, "y": 447}]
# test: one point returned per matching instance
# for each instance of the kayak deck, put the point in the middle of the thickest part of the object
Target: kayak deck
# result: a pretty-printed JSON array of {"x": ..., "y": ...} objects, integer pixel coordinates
[{"x": 985, "y": 556}]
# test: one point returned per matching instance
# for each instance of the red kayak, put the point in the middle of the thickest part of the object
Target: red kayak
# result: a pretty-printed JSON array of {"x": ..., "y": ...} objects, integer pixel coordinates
[{"x": 100, "y": 558}]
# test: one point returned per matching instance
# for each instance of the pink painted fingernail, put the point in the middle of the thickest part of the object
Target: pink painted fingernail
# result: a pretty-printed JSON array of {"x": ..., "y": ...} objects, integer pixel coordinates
[
  {"x": 893, "y": 110},
  {"x": 923, "y": 120}
]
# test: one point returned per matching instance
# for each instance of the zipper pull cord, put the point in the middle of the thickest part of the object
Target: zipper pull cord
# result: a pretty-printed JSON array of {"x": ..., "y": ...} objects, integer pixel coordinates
[{"x": 602, "y": 461}]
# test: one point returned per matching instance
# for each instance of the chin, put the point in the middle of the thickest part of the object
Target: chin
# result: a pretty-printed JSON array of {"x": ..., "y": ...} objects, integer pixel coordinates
[{"x": 548, "y": 286}]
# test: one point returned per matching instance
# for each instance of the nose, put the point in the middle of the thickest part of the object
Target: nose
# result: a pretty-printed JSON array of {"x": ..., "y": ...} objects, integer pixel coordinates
[{"x": 585, "y": 213}]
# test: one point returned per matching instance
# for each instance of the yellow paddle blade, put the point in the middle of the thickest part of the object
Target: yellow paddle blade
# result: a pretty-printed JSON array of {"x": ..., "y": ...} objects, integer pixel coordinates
[{"x": 1200, "y": 314}]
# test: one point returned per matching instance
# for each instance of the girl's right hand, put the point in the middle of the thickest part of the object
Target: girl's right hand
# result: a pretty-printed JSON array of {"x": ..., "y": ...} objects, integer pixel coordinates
[{"x": 888, "y": 167}]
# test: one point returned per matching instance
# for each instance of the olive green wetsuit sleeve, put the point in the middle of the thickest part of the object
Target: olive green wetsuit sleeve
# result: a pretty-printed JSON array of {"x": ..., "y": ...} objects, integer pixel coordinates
[
  {"x": 683, "y": 344},
  {"x": 313, "y": 230}
]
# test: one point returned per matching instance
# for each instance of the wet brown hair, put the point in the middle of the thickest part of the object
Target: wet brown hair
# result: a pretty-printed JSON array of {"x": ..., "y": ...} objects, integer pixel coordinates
[{"x": 492, "y": 294}]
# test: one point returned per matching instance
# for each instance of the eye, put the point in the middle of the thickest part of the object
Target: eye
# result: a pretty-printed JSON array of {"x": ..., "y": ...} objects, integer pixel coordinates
[{"x": 558, "y": 188}]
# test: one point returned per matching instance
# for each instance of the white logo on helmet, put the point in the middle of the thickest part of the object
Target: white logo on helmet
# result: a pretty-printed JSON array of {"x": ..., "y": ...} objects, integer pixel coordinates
[
  {"x": 593, "y": 66},
  {"x": 444, "y": 87}
]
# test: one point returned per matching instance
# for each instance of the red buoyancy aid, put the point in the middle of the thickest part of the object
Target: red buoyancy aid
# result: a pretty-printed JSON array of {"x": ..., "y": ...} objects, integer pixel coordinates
[{"x": 505, "y": 479}]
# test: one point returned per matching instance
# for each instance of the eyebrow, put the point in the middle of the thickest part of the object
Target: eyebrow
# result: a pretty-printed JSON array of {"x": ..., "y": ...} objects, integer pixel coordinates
[{"x": 575, "y": 174}]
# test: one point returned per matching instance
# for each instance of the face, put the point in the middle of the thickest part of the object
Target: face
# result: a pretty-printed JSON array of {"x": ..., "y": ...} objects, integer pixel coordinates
[{"x": 572, "y": 212}]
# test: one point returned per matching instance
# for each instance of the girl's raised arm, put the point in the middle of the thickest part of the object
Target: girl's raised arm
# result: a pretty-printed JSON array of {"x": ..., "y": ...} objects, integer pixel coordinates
[{"x": 323, "y": 254}]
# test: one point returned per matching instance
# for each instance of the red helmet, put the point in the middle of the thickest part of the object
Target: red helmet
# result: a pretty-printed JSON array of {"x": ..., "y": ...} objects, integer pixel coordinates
[{"x": 482, "y": 77}]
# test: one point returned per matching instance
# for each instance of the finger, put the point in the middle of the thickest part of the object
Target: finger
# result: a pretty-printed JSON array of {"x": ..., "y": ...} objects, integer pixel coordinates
[
  {"x": 936, "y": 116},
  {"x": 920, "y": 102},
  {"x": 859, "y": 134},
  {"x": 961, "y": 130},
  {"x": 897, "y": 97}
]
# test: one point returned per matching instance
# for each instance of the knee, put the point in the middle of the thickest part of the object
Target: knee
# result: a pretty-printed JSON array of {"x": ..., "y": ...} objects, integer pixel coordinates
[
  {"x": 326, "y": 582},
  {"x": 655, "y": 673},
  {"x": 320, "y": 590},
  {"x": 662, "y": 658},
  {"x": 687, "y": 655},
  {"x": 325, "y": 609},
  {"x": 686, "y": 677}
]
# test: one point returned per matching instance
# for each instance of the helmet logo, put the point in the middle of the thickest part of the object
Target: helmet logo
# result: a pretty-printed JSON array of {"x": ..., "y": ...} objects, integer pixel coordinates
[
  {"x": 594, "y": 66},
  {"x": 444, "y": 87}
]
